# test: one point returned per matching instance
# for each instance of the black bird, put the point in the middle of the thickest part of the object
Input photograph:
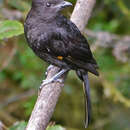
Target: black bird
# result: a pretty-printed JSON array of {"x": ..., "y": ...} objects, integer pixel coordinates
[{"x": 58, "y": 41}]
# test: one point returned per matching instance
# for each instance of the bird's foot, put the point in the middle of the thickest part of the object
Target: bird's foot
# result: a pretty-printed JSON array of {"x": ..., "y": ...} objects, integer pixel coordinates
[
  {"x": 55, "y": 78},
  {"x": 45, "y": 82}
]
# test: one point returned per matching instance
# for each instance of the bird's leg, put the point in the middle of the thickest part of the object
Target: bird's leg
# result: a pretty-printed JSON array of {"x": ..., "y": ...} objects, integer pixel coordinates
[{"x": 54, "y": 78}]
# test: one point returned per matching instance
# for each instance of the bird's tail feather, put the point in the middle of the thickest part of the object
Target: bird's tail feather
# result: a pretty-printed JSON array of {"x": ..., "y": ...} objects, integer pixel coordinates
[
  {"x": 87, "y": 100},
  {"x": 84, "y": 77}
]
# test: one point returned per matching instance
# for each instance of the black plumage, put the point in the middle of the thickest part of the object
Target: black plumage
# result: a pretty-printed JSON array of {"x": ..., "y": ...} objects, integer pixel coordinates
[{"x": 58, "y": 41}]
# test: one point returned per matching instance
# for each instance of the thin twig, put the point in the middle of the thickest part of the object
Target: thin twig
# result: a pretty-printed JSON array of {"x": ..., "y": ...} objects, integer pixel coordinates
[
  {"x": 17, "y": 98},
  {"x": 119, "y": 44}
]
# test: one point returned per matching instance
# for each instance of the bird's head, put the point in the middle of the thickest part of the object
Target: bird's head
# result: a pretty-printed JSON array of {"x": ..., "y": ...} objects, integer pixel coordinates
[{"x": 49, "y": 7}]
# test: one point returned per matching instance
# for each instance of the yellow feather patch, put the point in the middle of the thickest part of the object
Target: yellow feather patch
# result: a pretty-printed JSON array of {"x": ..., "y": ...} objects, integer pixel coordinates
[{"x": 60, "y": 57}]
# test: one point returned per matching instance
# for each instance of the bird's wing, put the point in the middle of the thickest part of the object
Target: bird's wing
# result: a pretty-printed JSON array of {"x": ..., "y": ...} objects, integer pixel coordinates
[
  {"x": 74, "y": 49},
  {"x": 72, "y": 42},
  {"x": 66, "y": 41}
]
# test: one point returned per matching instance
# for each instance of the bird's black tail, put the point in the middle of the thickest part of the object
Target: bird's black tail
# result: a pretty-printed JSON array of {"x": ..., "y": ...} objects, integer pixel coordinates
[
  {"x": 87, "y": 100},
  {"x": 84, "y": 77}
]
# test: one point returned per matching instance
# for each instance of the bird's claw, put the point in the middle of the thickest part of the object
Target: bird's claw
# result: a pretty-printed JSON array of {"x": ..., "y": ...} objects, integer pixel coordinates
[{"x": 45, "y": 82}]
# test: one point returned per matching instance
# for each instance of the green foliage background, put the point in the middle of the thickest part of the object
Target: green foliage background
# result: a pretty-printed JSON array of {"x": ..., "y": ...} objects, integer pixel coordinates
[{"x": 21, "y": 71}]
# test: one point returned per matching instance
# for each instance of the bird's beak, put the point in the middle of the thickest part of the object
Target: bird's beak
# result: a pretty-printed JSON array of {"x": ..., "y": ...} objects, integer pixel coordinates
[{"x": 64, "y": 4}]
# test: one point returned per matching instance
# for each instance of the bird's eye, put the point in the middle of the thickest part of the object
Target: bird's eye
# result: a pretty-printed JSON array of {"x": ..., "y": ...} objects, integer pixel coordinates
[{"x": 48, "y": 4}]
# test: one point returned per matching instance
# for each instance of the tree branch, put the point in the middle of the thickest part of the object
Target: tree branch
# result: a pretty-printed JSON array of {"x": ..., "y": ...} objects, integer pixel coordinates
[
  {"x": 2, "y": 126},
  {"x": 82, "y": 13},
  {"x": 49, "y": 95}
]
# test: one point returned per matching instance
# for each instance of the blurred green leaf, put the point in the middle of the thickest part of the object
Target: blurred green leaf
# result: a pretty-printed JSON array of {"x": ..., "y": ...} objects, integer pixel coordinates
[
  {"x": 19, "y": 4},
  {"x": 19, "y": 126},
  {"x": 111, "y": 26},
  {"x": 106, "y": 60},
  {"x": 56, "y": 127},
  {"x": 10, "y": 28},
  {"x": 123, "y": 7}
]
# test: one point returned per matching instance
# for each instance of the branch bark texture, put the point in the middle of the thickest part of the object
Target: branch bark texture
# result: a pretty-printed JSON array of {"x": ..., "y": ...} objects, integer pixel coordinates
[
  {"x": 45, "y": 103},
  {"x": 50, "y": 93},
  {"x": 82, "y": 13}
]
